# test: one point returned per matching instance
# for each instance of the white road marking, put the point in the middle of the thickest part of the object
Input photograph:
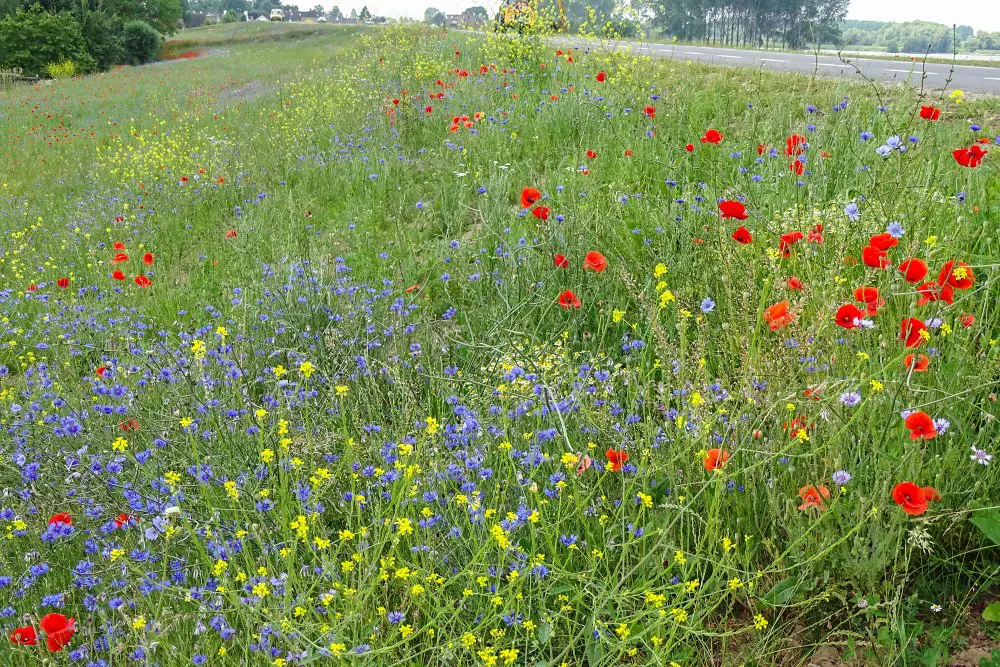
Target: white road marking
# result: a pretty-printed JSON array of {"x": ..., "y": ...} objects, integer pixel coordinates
[
  {"x": 733, "y": 57},
  {"x": 832, "y": 65},
  {"x": 695, "y": 53},
  {"x": 773, "y": 60},
  {"x": 991, "y": 78}
]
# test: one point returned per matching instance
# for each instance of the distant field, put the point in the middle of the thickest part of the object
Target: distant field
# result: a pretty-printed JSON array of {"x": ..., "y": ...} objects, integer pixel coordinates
[{"x": 330, "y": 344}]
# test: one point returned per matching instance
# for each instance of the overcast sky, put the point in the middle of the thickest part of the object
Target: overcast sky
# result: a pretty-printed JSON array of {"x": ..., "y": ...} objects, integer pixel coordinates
[{"x": 980, "y": 14}]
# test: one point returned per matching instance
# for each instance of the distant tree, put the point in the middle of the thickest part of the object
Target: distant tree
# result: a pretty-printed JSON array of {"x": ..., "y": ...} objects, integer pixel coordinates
[
  {"x": 141, "y": 42},
  {"x": 354, "y": 14},
  {"x": 34, "y": 39},
  {"x": 335, "y": 14},
  {"x": 365, "y": 14},
  {"x": 479, "y": 13},
  {"x": 434, "y": 16},
  {"x": 318, "y": 9}
]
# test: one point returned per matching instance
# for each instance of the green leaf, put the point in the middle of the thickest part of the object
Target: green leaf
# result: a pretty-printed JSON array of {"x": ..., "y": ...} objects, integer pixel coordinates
[
  {"x": 783, "y": 591},
  {"x": 987, "y": 521},
  {"x": 544, "y": 632},
  {"x": 594, "y": 648},
  {"x": 992, "y": 613}
]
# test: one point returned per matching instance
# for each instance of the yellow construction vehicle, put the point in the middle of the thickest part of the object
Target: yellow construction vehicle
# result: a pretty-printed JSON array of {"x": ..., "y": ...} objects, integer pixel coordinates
[{"x": 523, "y": 16}]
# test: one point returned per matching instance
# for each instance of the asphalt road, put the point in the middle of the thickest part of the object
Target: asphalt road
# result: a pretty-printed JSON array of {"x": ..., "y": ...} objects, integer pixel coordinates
[{"x": 936, "y": 76}]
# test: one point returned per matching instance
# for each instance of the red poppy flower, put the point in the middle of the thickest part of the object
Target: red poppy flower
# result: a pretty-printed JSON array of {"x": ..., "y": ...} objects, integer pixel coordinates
[
  {"x": 777, "y": 316},
  {"x": 883, "y": 241},
  {"x": 595, "y": 261},
  {"x": 874, "y": 257},
  {"x": 870, "y": 297},
  {"x": 911, "y": 331},
  {"x": 813, "y": 496},
  {"x": 129, "y": 425},
  {"x": 231, "y": 234},
  {"x": 968, "y": 320},
  {"x": 25, "y": 636},
  {"x": 101, "y": 370},
  {"x": 616, "y": 459},
  {"x": 591, "y": 154},
  {"x": 119, "y": 258},
  {"x": 959, "y": 277},
  {"x": 529, "y": 196},
  {"x": 541, "y": 212},
  {"x": 125, "y": 519},
  {"x": 59, "y": 630},
  {"x": 689, "y": 148},
  {"x": 797, "y": 167},
  {"x": 61, "y": 517},
  {"x": 918, "y": 363},
  {"x": 761, "y": 148},
  {"x": 921, "y": 425},
  {"x": 650, "y": 111},
  {"x": 628, "y": 153},
  {"x": 848, "y": 315},
  {"x": 712, "y": 137},
  {"x": 715, "y": 458},
  {"x": 560, "y": 261},
  {"x": 147, "y": 259},
  {"x": 914, "y": 499},
  {"x": 118, "y": 245},
  {"x": 568, "y": 300},
  {"x": 63, "y": 283},
  {"x": 795, "y": 284},
  {"x": 930, "y": 292},
  {"x": 143, "y": 281},
  {"x": 732, "y": 209},
  {"x": 794, "y": 145},
  {"x": 969, "y": 157},
  {"x": 930, "y": 113},
  {"x": 914, "y": 269},
  {"x": 789, "y": 239},
  {"x": 742, "y": 235},
  {"x": 601, "y": 76},
  {"x": 412, "y": 288}
]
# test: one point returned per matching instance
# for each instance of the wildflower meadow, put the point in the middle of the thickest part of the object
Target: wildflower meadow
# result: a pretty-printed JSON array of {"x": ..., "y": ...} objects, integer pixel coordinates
[{"x": 399, "y": 346}]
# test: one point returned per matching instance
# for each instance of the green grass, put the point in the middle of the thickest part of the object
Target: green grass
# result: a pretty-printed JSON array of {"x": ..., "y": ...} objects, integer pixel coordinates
[{"x": 354, "y": 391}]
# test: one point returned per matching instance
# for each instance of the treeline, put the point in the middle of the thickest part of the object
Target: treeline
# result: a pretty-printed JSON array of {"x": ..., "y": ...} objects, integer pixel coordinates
[
  {"x": 65, "y": 37},
  {"x": 918, "y": 37}
]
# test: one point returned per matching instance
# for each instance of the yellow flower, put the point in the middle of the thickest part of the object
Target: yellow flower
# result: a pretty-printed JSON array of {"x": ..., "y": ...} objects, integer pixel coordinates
[
  {"x": 660, "y": 270},
  {"x": 646, "y": 500},
  {"x": 279, "y": 370},
  {"x": 432, "y": 426},
  {"x": 267, "y": 455},
  {"x": 341, "y": 389},
  {"x": 509, "y": 655},
  {"x": 468, "y": 640},
  {"x": 405, "y": 630},
  {"x": 300, "y": 526},
  {"x": 261, "y": 590},
  {"x": 679, "y": 558},
  {"x": 120, "y": 444},
  {"x": 337, "y": 648},
  {"x": 307, "y": 369},
  {"x": 617, "y": 315},
  {"x": 221, "y": 332},
  {"x": 139, "y": 622},
  {"x": 759, "y": 622},
  {"x": 417, "y": 589}
]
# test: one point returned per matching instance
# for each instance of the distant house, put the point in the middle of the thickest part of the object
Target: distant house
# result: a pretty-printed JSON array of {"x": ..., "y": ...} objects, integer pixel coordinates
[
  {"x": 309, "y": 17},
  {"x": 453, "y": 20},
  {"x": 470, "y": 20},
  {"x": 292, "y": 13}
]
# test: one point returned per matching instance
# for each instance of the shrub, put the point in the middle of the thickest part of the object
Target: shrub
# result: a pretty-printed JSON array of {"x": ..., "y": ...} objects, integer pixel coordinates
[
  {"x": 65, "y": 69},
  {"x": 141, "y": 42},
  {"x": 230, "y": 17},
  {"x": 34, "y": 39},
  {"x": 103, "y": 34}
]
